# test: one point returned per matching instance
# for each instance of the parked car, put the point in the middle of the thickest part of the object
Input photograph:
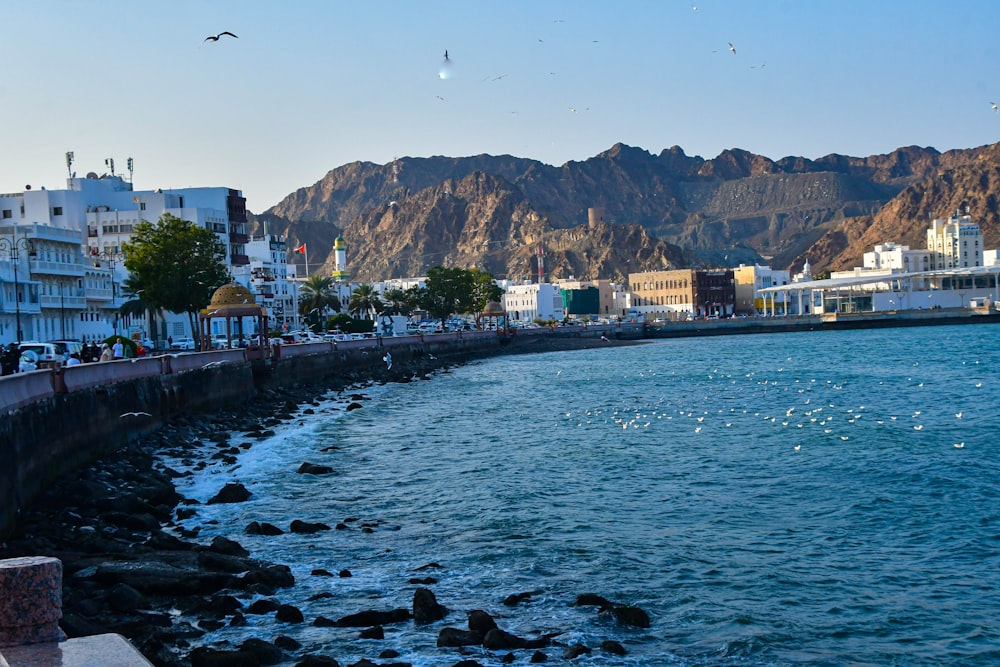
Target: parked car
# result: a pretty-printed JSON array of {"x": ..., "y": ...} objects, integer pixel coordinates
[
  {"x": 68, "y": 347},
  {"x": 183, "y": 344},
  {"x": 48, "y": 355}
]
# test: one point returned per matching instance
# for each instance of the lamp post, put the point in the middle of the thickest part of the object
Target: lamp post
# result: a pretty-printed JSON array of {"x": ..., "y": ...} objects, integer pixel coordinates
[
  {"x": 12, "y": 246},
  {"x": 112, "y": 258}
]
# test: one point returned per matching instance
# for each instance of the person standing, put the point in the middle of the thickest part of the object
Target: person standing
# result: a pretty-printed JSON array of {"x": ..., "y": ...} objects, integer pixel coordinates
[
  {"x": 118, "y": 349},
  {"x": 106, "y": 354}
]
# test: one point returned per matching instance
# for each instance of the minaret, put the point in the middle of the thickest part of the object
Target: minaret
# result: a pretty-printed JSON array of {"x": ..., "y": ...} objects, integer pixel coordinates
[{"x": 340, "y": 272}]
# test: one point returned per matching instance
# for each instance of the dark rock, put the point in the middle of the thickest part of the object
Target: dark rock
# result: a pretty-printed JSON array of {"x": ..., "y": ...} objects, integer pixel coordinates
[
  {"x": 320, "y": 572},
  {"x": 501, "y": 640},
  {"x": 467, "y": 663},
  {"x": 508, "y": 658},
  {"x": 222, "y": 545},
  {"x": 223, "y": 605},
  {"x": 353, "y": 406},
  {"x": 279, "y": 576},
  {"x": 305, "y": 528},
  {"x": 425, "y": 581},
  {"x": 453, "y": 637},
  {"x": 592, "y": 600},
  {"x": 514, "y": 600},
  {"x": 481, "y": 622},
  {"x": 287, "y": 643},
  {"x": 388, "y": 654},
  {"x": 613, "y": 647},
  {"x": 204, "y": 656},
  {"x": 264, "y": 606},
  {"x": 312, "y": 660},
  {"x": 238, "y": 620},
  {"x": 429, "y": 566},
  {"x": 426, "y": 608},
  {"x": 344, "y": 574},
  {"x": 210, "y": 625},
  {"x": 575, "y": 651},
  {"x": 267, "y": 653},
  {"x": 376, "y": 632},
  {"x": 123, "y": 597},
  {"x": 289, "y": 614},
  {"x": 314, "y": 469},
  {"x": 324, "y": 622},
  {"x": 538, "y": 656},
  {"x": 368, "y": 618},
  {"x": 231, "y": 493},
  {"x": 270, "y": 529},
  {"x": 626, "y": 615}
]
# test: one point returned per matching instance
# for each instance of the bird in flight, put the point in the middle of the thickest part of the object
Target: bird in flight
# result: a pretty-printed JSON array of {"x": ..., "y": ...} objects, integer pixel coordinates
[
  {"x": 996, "y": 109},
  {"x": 135, "y": 414},
  {"x": 446, "y": 55},
  {"x": 732, "y": 48},
  {"x": 215, "y": 38}
]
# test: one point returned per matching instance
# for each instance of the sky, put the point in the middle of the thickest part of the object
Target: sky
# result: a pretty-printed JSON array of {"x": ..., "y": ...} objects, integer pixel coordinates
[{"x": 311, "y": 85}]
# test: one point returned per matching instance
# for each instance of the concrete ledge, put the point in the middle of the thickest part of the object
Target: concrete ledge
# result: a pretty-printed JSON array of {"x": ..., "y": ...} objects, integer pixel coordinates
[
  {"x": 97, "y": 651},
  {"x": 24, "y": 388}
]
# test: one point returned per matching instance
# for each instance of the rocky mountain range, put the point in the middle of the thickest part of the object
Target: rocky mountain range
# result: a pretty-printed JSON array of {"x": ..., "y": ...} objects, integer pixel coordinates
[{"x": 650, "y": 211}]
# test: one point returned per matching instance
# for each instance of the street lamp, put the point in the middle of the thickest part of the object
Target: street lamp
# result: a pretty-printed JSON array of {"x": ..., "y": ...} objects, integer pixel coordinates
[
  {"x": 111, "y": 258},
  {"x": 12, "y": 246}
]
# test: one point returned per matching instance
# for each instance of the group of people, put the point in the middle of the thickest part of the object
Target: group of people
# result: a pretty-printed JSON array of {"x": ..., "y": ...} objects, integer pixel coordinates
[{"x": 11, "y": 361}]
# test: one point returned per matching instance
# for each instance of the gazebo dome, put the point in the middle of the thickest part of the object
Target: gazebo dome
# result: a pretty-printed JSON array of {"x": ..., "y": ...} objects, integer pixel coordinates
[
  {"x": 232, "y": 294},
  {"x": 493, "y": 309}
]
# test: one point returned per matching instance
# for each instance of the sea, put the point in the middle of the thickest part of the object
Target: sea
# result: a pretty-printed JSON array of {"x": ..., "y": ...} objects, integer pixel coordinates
[{"x": 809, "y": 498}]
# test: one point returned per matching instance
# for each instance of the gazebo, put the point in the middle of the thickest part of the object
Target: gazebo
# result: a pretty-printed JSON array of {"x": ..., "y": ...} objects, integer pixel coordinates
[
  {"x": 233, "y": 303},
  {"x": 494, "y": 318}
]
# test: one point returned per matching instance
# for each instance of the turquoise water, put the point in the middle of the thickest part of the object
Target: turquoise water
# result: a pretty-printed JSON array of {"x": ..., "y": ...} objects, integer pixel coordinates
[{"x": 787, "y": 499}]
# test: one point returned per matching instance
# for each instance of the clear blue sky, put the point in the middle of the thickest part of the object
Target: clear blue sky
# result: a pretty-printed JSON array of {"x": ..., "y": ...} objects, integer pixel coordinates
[{"x": 310, "y": 86}]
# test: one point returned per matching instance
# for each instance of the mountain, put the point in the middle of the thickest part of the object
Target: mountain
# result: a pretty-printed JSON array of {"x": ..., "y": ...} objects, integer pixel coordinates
[{"x": 655, "y": 211}]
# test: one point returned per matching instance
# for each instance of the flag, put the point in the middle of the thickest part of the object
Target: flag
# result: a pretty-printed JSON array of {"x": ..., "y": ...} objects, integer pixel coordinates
[{"x": 301, "y": 250}]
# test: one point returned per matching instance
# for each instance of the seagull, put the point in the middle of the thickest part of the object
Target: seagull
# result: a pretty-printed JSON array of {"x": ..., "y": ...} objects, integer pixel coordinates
[
  {"x": 212, "y": 363},
  {"x": 215, "y": 38},
  {"x": 134, "y": 414},
  {"x": 959, "y": 445},
  {"x": 798, "y": 447},
  {"x": 388, "y": 360},
  {"x": 446, "y": 55},
  {"x": 996, "y": 109},
  {"x": 732, "y": 48}
]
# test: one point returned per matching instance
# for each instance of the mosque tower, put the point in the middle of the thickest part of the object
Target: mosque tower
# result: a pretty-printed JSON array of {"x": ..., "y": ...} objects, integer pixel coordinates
[{"x": 340, "y": 272}]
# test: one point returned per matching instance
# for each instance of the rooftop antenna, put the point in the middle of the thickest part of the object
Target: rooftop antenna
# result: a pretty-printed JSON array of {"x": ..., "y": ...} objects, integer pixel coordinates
[
  {"x": 131, "y": 166},
  {"x": 69, "y": 163},
  {"x": 110, "y": 164}
]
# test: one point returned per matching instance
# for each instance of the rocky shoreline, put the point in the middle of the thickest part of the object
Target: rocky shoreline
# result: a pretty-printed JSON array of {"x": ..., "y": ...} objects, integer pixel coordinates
[{"x": 130, "y": 568}]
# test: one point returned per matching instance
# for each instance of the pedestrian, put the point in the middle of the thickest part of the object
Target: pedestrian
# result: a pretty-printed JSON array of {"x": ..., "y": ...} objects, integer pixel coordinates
[
  {"x": 93, "y": 353},
  {"x": 118, "y": 349},
  {"x": 140, "y": 351},
  {"x": 74, "y": 360},
  {"x": 106, "y": 354},
  {"x": 170, "y": 341},
  {"x": 7, "y": 363}
]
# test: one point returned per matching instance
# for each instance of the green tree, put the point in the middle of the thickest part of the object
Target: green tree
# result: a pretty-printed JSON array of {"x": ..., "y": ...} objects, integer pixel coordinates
[
  {"x": 397, "y": 302},
  {"x": 447, "y": 291},
  {"x": 317, "y": 297},
  {"x": 484, "y": 290},
  {"x": 365, "y": 302},
  {"x": 175, "y": 265}
]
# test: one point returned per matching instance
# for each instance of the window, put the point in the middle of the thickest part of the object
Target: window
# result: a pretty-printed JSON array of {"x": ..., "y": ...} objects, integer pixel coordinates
[
  {"x": 57, "y": 210},
  {"x": 7, "y": 214}
]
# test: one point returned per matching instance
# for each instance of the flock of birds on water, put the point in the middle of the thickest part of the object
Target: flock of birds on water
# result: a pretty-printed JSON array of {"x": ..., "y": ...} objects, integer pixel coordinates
[{"x": 807, "y": 412}]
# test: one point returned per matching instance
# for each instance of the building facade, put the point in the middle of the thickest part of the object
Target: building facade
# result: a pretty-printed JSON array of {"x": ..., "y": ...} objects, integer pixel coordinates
[
  {"x": 527, "y": 302},
  {"x": 955, "y": 243}
]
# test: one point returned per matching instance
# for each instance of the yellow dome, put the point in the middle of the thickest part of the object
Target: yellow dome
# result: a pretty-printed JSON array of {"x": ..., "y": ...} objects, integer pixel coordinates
[{"x": 232, "y": 294}]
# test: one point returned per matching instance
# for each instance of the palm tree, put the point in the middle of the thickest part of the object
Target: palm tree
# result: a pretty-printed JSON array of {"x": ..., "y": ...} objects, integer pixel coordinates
[
  {"x": 317, "y": 296},
  {"x": 396, "y": 302},
  {"x": 365, "y": 302}
]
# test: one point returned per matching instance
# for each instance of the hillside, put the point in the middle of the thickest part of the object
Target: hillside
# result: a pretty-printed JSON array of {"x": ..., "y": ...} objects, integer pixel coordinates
[{"x": 661, "y": 210}]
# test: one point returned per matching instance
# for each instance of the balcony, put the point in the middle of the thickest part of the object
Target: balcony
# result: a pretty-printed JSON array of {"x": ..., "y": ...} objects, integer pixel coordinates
[
  {"x": 239, "y": 260},
  {"x": 238, "y": 237}
]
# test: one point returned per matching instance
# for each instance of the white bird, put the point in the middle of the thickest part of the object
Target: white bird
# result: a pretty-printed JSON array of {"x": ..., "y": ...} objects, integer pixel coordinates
[
  {"x": 215, "y": 38},
  {"x": 798, "y": 447},
  {"x": 388, "y": 360},
  {"x": 134, "y": 414},
  {"x": 959, "y": 445},
  {"x": 958, "y": 415},
  {"x": 732, "y": 48},
  {"x": 918, "y": 427},
  {"x": 996, "y": 109}
]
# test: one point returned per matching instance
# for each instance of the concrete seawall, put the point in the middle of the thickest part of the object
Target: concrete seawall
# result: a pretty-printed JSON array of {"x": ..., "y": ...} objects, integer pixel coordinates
[{"x": 55, "y": 422}]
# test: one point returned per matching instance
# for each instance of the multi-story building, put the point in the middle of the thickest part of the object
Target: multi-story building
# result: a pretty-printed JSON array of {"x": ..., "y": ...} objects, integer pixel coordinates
[
  {"x": 682, "y": 293},
  {"x": 898, "y": 258},
  {"x": 750, "y": 280},
  {"x": 955, "y": 243},
  {"x": 77, "y": 272},
  {"x": 527, "y": 302}
]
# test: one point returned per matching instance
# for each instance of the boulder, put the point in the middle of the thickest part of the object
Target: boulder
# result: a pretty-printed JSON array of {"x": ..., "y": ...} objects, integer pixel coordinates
[
  {"x": 231, "y": 493},
  {"x": 305, "y": 528},
  {"x": 314, "y": 469},
  {"x": 369, "y": 618},
  {"x": 426, "y": 608}
]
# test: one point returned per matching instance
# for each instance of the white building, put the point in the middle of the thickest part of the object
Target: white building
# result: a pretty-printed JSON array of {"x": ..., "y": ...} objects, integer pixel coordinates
[
  {"x": 955, "y": 243},
  {"x": 528, "y": 302},
  {"x": 750, "y": 280},
  {"x": 77, "y": 270},
  {"x": 897, "y": 257}
]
